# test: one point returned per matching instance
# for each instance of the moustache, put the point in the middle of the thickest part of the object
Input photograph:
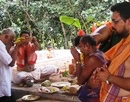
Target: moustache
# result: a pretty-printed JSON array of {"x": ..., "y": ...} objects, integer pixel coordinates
[{"x": 114, "y": 29}]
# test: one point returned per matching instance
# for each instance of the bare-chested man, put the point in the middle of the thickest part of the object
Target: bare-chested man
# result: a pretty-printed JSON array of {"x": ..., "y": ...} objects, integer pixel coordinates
[
  {"x": 93, "y": 58},
  {"x": 116, "y": 81}
]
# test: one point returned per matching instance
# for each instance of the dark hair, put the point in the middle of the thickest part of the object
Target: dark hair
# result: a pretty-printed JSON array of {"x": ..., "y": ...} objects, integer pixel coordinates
[
  {"x": 123, "y": 9},
  {"x": 26, "y": 32},
  {"x": 88, "y": 39},
  {"x": 76, "y": 40}
]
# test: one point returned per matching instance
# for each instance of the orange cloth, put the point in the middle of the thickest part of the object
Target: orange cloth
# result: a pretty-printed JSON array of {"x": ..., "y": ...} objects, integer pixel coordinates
[
  {"x": 93, "y": 28},
  {"x": 109, "y": 24},
  {"x": 117, "y": 55},
  {"x": 26, "y": 53}
]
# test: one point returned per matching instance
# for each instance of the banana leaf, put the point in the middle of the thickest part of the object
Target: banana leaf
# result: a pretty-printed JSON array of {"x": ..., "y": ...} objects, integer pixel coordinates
[{"x": 70, "y": 21}]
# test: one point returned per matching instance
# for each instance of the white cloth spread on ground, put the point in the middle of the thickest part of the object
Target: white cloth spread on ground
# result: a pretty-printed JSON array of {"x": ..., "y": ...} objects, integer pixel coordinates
[
  {"x": 36, "y": 74},
  {"x": 5, "y": 71}
]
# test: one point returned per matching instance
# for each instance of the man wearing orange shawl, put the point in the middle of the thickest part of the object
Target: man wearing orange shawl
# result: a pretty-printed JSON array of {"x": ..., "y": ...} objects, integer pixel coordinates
[
  {"x": 26, "y": 52},
  {"x": 116, "y": 80}
]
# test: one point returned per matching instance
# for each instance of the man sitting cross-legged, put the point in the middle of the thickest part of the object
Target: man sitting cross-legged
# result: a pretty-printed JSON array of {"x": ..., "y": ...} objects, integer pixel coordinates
[{"x": 26, "y": 59}]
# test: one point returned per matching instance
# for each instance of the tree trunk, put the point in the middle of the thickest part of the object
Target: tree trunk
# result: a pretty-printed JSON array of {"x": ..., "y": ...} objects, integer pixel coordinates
[{"x": 64, "y": 34}]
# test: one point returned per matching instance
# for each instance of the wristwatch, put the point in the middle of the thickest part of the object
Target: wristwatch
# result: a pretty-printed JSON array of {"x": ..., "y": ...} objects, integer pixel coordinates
[{"x": 108, "y": 79}]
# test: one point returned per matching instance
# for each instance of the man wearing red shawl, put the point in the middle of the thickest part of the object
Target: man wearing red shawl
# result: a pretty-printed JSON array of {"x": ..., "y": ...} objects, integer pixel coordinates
[
  {"x": 26, "y": 52},
  {"x": 26, "y": 59}
]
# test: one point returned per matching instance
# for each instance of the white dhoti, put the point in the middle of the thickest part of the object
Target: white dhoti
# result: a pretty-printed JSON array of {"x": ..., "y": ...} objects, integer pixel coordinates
[
  {"x": 17, "y": 76},
  {"x": 48, "y": 70}
]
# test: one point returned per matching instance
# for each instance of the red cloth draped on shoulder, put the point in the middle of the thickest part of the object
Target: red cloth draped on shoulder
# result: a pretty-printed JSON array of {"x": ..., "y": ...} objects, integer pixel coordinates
[
  {"x": 117, "y": 55},
  {"x": 31, "y": 55},
  {"x": 26, "y": 52},
  {"x": 20, "y": 57}
]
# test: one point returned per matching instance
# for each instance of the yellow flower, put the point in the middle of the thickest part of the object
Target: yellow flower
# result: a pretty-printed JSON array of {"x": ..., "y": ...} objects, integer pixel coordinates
[{"x": 82, "y": 58}]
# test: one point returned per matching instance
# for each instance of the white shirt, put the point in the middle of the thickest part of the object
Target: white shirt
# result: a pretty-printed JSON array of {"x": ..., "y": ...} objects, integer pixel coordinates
[{"x": 5, "y": 71}]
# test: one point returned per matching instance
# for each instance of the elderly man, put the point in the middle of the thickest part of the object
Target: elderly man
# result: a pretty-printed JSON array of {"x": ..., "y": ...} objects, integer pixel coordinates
[
  {"x": 7, "y": 59},
  {"x": 93, "y": 58}
]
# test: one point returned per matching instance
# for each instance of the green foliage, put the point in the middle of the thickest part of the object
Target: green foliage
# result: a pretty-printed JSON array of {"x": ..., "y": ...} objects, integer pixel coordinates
[
  {"x": 41, "y": 18},
  {"x": 70, "y": 21}
]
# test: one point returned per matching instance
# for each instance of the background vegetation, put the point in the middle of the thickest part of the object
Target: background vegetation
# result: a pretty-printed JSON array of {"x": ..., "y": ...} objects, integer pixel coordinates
[{"x": 42, "y": 18}]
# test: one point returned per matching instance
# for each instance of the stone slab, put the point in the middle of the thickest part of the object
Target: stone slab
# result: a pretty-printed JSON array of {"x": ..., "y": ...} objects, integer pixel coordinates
[{"x": 21, "y": 91}]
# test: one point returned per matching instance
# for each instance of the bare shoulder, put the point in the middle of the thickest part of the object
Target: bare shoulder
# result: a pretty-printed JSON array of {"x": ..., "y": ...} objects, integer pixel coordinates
[
  {"x": 101, "y": 34},
  {"x": 127, "y": 68},
  {"x": 94, "y": 59},
  {"x": 93, "y": 62},
  {"x": 127, "y": 62}
]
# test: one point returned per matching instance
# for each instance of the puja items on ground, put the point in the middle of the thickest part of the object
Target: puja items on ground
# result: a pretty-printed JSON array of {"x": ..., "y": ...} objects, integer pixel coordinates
[
  {"x": 64, "y": 84},
  {"x": 46, "y": 83},
  {"x": 27, "y": 82},
  {"x": 55, "y": 77},
  {"x": 73, "y": 89},
  {"x": 70, "y": 89},
  {"x": 72, "y": 68},
  {"x": 30, "y": 97},
  {"x": 48, "y": 89},
  {"x": 60, "y": 84}
]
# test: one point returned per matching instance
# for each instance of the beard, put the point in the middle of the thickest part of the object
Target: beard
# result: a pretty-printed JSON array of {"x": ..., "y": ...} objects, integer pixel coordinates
[{"x": 122, "y": 34}]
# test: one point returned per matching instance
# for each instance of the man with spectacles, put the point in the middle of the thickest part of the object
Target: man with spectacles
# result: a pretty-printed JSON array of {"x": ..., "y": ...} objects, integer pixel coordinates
[{"x": 116, "y": 80}]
